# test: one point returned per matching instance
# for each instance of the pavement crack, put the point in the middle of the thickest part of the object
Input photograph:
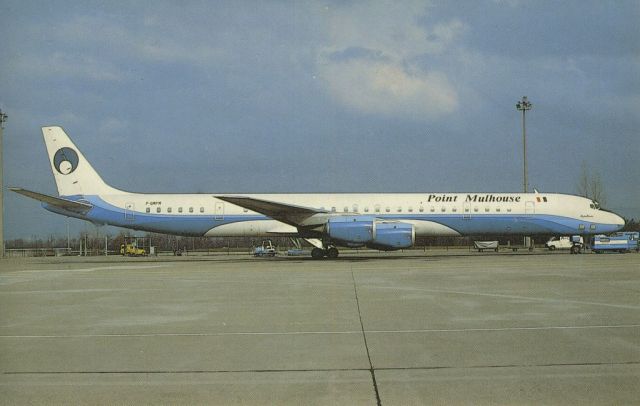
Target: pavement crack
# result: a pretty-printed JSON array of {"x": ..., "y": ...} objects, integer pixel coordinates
[
  {"x": 303, "y": 370},
  {"x": 364, "y": 337}
]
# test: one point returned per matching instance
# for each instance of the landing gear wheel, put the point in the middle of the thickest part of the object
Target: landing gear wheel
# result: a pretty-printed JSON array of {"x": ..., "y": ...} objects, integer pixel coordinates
[
  {"x": 317, "y": 253},
  {"x": 332, "y": 253},
  {"x": 575, "y": 249}
]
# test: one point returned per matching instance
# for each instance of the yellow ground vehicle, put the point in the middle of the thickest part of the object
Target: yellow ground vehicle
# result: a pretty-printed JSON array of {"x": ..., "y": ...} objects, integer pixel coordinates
[{"x": 131, "y": 249}]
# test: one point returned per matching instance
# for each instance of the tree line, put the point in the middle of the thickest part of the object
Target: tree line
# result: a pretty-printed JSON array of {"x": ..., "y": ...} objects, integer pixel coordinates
[{"x": 95, "y": 244}]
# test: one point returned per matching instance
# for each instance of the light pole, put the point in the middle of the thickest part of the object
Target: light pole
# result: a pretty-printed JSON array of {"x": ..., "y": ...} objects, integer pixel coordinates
[
  {"x": 3, "y": 119},
  {"x": 524, "y": 105}
]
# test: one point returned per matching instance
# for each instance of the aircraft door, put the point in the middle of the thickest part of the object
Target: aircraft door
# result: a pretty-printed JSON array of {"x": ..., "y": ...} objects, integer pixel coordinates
[
  {"x": 218, "y": 213},
  {"x": 530, "y": 208},
  {"x": 129, "y": 211}
]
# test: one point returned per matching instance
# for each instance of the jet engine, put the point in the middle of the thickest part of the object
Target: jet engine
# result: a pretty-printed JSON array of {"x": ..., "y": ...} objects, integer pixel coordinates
[
  {"x": 393, "y": 235},
  {"x": 360, "y": 231},
  {"x": 351, "y": 231}
]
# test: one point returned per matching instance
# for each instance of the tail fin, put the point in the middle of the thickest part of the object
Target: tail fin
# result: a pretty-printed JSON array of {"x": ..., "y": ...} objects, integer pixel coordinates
[{"x": 74, "y": 175}]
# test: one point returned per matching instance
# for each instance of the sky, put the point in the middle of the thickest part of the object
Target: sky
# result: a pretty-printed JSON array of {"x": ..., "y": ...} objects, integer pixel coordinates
[{"x": 321, "y": 96}]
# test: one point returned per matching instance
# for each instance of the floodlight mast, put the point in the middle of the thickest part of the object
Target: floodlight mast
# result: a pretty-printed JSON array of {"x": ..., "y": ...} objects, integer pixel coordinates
[
  {"x": 3, "y": 119},
  {"x": 524, "y": 105}
]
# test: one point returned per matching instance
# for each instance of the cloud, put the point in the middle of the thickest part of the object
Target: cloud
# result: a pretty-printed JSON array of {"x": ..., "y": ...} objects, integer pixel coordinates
[
  {"x": 153, "y": 38},
  {"x": 374, "y": 60},
  {"x": 509, "y": 3},
  {"x": 112, "y": 130},
  {"x": 66, "y": 64},
  {"x": 389, "y": 88}
]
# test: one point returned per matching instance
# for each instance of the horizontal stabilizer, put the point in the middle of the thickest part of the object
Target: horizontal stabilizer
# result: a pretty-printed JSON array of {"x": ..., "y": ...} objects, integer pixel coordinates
[
  {"x": 59, "y": 202},
  {"x": 286, "y": 213}
]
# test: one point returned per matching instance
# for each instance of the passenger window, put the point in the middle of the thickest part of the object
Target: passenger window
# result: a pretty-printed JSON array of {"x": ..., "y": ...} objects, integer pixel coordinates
[
  {"x": 443, "y": 209},
  {"x": 366, "y": 210},
  {"x": 190, "y": 209},
  {"x": 355, "y": 208},
  {"x": 509, "y": 209},
  {"x": 346, "y": 209},
  {"x": 486, "y": 209},
  {"x": 421, "y": 209},
  {"x": 592, "y": 226},
  {"x": 475, "y": 209},
  {"x": 158, "y": 209},
  {"x": 148, "y": 209},
  {"x": 377, "y": 208},
  {"x": 333, "y": 209},
  {"x": 201, "y": 209},
  {"x": 581, "y": 227},
  {"x": 387, "y": 209},
  {"x": 399, "y": 210},
  {"x": 168, "y": 209},
  {"x": 466, "y": 210},
  {"x": 179, "y": 209},
  {"x": 410, "y": 209},
  {"x": 455, "y": 209},
  {"x": 432, "y": 209},
  {"x": 498, "y": 209}
]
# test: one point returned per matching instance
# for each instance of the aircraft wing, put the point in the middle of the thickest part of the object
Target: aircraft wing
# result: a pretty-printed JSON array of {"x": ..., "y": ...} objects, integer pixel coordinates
[
  {"x": 286, "y": 213},
  {"x": 64, "y": 204}
]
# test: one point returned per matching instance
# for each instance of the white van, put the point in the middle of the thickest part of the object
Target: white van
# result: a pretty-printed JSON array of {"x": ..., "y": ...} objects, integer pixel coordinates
[{"x": 561, "y": 243}]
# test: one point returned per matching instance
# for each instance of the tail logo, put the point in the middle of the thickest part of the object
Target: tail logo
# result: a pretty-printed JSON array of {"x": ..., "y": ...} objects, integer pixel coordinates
[{"x": 65, "y": 160}]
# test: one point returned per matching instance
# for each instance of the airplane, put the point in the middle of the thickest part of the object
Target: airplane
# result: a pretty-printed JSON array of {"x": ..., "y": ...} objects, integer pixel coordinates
[{"x": 384, "y": 221}]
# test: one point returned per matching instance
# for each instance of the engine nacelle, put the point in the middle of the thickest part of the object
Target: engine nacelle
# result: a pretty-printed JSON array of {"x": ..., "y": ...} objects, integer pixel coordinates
[
  {"x": 352, "y": 231},
  {"x": 359, "y": 231},
  {"x": 391, "y": 236}
]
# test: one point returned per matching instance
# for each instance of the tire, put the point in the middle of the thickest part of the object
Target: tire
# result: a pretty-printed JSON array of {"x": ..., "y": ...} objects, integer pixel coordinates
[
  {"x": 552, "y": 248},
  {"x": 332, "y": 253},
  {"x": 317, "y": 253}
]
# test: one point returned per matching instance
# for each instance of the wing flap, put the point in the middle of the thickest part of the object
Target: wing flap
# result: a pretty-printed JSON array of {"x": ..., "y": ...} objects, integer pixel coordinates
[
  {"x": 283, "y": 229},
  {"x": 62, "y": 203}
]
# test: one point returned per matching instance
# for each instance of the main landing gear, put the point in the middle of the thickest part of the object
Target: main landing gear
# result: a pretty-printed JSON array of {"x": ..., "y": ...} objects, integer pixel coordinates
[{"x": 319, "y": 253}]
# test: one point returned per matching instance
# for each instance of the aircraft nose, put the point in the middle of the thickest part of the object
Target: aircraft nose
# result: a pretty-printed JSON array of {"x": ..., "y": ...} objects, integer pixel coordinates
[{"x": 618, "y": 221}]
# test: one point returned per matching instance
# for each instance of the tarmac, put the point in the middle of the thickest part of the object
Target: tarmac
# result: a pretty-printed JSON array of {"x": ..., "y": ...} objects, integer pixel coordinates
[{"x": 400, "y": 329}]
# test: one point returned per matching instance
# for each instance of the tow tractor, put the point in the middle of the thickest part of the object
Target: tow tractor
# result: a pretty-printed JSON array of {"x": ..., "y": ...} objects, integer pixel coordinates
[
  {"x": 133, "y": 247},
  {"x": 265, "y": 250}
]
